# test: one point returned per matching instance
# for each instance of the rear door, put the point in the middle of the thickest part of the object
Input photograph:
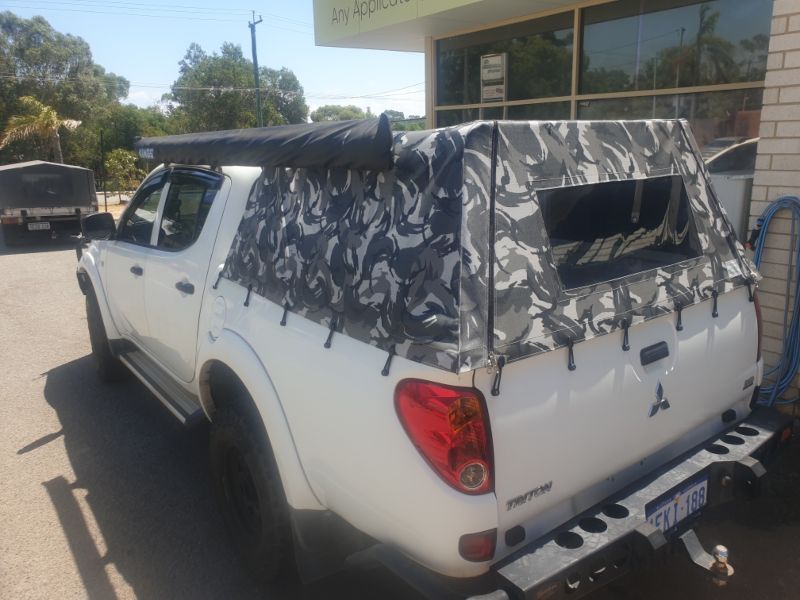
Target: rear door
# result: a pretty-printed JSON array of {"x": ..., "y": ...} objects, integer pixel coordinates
[
  {"x": 126, "y": 260},
  {"x": 178, "y": 266}
]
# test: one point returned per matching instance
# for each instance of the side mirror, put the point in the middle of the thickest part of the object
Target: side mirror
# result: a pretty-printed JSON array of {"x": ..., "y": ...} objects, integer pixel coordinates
[{"x": 98, "y": 226}]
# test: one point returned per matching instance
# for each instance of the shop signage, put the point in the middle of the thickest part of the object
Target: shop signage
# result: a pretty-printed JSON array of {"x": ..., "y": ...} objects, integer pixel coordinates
[
  {"x": 493, "y": 77},
  {"x": 341, "y": 19}
]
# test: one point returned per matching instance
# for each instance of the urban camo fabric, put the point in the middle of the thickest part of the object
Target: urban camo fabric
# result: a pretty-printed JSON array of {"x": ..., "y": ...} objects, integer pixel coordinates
[{"x": 402, "y": 259}]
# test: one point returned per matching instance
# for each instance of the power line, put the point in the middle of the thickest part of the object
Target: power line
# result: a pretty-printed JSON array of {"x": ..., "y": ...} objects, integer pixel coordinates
[
  {"x": 147, "y": 15},
  {"x": 385, "y": 94},
  {"x": 182, "y": 8},
  {"x": 123, "y": 5}
]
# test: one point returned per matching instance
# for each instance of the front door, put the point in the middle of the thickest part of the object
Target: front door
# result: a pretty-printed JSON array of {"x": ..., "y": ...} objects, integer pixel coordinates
[
  {"x": 126, "y": 260},
  {"x": 178, "y": 266}
]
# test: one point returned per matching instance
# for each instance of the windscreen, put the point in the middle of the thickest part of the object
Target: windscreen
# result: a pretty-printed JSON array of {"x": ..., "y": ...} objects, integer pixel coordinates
[{"x": 606, "y": 231}]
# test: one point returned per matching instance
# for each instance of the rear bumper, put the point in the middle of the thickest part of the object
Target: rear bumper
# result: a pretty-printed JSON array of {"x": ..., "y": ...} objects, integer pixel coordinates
[
  {"x": 548, "y": 569},
  {"x": 571, "y": 561}
]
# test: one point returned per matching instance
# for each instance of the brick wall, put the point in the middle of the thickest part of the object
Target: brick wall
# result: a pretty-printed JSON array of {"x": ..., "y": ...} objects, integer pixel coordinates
[{"x": 778, "y": 166}]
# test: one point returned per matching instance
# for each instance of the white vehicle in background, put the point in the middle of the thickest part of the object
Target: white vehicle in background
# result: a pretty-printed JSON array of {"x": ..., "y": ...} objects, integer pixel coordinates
[
  {"x": 526, "y": 417},
  {"x": 717, "y": 145},
  {"x": 736, "y": 158}
]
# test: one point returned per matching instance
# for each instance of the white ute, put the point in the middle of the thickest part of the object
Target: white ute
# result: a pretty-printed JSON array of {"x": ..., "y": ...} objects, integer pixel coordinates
[{"x": 507, "y": 359}]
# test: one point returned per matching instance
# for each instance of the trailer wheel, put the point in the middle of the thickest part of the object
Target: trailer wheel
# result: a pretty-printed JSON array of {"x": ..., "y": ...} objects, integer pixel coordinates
[
  {"x": 249, "y": 493},
  {"x": 109, "y": 368}
]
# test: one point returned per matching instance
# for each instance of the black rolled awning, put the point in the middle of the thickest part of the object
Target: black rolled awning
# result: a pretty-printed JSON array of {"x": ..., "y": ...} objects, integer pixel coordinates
[{"x": 362, "y": 145}]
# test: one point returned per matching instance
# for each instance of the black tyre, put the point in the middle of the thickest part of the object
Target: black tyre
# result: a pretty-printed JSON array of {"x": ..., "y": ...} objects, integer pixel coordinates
[
  {"x": 109, "y": 368},
  {"x": 11, "y": 235},
  {"x": 249, "y": 493}
]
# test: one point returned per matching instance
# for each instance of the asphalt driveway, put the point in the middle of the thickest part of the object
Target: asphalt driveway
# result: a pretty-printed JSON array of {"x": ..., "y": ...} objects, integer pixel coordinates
[{"x": 103, "y": 495}]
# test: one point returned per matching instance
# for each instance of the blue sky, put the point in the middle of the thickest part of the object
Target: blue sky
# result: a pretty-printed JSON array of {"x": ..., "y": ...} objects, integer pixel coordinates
[{"x": 143, "y": 40}]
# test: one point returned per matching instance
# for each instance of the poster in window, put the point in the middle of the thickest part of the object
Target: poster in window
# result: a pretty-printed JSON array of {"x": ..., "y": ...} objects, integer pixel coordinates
[{"x": 493, "y": 77}]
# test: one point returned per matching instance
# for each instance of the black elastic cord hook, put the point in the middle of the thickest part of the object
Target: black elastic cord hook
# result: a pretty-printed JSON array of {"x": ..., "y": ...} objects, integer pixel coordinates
[
  {"x": 571, "y": 357},
  {"x": 216, "y": 283},
  {"x": 501, "y": 362},
  {"x": 247, "y": 298},
  {"x": 385, "y": 370},
  {"x": 679, "y": 309},
  {"x": 714, "y": 295},
  {"x": 334, "y": 322},
  {"x": 285, "y": 312},
  {"x": 625, "y": 342},
  {"x": 750, "y": 290}
]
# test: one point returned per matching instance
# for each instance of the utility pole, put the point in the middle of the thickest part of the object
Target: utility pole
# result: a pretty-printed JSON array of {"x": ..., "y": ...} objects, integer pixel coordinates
[
  {"x": 252, "y": 26},
  {"x": 103, "y": 170}
]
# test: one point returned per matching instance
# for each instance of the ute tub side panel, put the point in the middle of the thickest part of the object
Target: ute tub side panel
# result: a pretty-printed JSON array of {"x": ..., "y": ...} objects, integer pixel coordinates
[{"x": 354, "y": 451}]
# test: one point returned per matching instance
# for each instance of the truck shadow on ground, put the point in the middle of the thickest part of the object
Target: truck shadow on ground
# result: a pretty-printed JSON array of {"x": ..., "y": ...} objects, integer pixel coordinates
[
  {"x": 37, "y": 244},
  {"x": 146, "y": 484}
]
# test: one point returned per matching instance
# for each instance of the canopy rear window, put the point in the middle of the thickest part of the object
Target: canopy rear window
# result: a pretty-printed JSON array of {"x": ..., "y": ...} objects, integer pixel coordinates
[{"x": 605, "y": 231}]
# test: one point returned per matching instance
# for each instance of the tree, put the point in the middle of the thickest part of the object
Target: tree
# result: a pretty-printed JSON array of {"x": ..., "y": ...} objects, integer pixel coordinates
[
  {"x": 336, "y": 112},
  {"x": 122, "y": 172},
  {"x": 57, "y": 70},
  {"x": 216, "y": 91},
  {"x": 38, "y": 121}
]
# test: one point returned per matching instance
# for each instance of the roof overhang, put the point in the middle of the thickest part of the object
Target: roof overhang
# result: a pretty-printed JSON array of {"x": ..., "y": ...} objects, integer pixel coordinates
[{"x": 404, "y": 24}]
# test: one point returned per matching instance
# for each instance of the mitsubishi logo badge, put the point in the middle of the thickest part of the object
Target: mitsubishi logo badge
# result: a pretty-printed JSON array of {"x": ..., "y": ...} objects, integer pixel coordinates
[{"x": 661, "y": 402}]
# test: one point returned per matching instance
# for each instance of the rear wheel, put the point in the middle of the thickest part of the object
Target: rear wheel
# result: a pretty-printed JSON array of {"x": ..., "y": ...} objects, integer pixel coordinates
[
  {"x": 248, "y": 490},
  {"x": 109, "y": 368}
]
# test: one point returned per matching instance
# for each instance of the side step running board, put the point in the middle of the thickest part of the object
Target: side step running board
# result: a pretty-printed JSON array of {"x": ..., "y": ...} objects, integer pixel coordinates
[{"x": 183, "y": 405}]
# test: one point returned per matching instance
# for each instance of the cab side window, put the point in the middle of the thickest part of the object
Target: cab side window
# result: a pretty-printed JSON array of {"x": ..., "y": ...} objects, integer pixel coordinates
[
  {"x": 137, "y": 223},
  {"x": 188, "y": 203}
]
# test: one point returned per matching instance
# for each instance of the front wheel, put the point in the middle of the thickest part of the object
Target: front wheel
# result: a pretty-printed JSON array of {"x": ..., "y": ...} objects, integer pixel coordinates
[
  {"x": 109, "y": 368},
  {"x": 250, "y": 495}
]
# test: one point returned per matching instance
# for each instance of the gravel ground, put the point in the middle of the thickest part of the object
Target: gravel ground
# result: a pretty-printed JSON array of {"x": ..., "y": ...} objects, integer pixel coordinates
[{"x": 103, "y": 495}]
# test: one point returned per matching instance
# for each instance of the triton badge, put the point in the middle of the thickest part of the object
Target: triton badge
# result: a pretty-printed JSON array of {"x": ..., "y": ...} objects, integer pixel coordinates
[
  {"x": 529, "y": 495},
  {"x": 661, "y": 402}
]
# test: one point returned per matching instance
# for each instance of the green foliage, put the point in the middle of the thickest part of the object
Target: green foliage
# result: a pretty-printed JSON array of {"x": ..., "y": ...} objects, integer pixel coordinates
[
  {"x": 37, "y": 123},
  {"x": 57, "y": 70},
  {"x": 122, "y": 171},
  {"x": 216, "y": 91},
  {"x": 336, "y": 112}
]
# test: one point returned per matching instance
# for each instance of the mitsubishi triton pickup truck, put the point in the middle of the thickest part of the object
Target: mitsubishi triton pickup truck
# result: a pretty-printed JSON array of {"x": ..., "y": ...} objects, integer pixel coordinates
[{"x": 504, "y": 359}]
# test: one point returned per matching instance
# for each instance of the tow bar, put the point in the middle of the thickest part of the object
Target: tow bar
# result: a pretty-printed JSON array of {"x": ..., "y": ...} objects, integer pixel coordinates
[{"x": 721, "y": 571}]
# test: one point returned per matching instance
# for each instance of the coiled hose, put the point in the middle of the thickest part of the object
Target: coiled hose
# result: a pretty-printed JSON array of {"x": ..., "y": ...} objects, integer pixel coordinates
[{"x": 784, "y": 372}]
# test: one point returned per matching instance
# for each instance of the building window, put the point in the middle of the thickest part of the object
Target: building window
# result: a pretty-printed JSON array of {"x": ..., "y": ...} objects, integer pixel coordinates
[
  {"x": 637, "y": 45},
  {"x": 539, "y": 60},
  {"x": 543, "y": 111},
  {"x": 701, "y": 61},
  {"x": 712, "y": 115}
]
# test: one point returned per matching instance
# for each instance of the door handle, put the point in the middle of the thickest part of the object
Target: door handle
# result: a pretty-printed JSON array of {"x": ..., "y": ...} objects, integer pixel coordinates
[
  {"x": 137, "y": 270},
  {"x": 653, "y": 353},
  {"x": 185, "y": 287}
]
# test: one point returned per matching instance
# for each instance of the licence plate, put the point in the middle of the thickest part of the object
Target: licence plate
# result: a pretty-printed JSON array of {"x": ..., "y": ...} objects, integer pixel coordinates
[
  {"x": 38, "y": 226},
  {"x": 665, "y": 513}
]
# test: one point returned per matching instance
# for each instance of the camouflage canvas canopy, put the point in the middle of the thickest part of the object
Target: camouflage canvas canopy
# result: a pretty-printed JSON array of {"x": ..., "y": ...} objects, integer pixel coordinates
[{"x": 445, "y": 258}]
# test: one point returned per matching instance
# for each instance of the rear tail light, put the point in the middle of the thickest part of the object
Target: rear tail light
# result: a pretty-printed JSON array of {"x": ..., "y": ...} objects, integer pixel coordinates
[
  {"x": 450, "y": 428},
  {"x": 478, "y": 547},
  {"x": 10, "y": 220},
  {"x": 759, "y": 321}
]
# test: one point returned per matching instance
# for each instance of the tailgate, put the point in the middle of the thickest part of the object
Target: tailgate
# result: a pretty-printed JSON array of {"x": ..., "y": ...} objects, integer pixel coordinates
[{"x": 562, "y": 439}]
